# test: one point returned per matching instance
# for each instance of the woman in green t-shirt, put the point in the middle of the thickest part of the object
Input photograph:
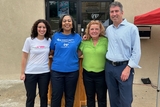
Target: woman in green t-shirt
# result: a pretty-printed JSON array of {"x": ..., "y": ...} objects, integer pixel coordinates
[{"x": 94, "y": 49}]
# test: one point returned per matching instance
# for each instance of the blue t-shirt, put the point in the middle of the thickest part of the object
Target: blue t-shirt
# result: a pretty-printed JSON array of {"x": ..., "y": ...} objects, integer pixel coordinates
[{"x": 65, "y": 47}]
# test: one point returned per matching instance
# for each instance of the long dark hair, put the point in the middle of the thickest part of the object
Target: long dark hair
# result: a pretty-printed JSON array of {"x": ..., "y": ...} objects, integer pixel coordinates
[
  {"x": 60, "y": 24},
  {"x": 34, "y": 32}
]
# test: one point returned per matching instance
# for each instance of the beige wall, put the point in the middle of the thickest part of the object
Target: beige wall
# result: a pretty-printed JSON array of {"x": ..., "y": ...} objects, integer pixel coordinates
[
  {"x": 16, "y": 19},
  {"x": 150, "y": 48}
]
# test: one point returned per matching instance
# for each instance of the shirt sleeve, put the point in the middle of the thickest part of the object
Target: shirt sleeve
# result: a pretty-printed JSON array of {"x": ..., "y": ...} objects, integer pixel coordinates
[
  {"x": 106, "y": 43},
  {"x": 81, "y": 45},
  {"x": 26, "y": 46},
  {"x": 52, "y": 47},
  {"x": 136, "y": 49}
]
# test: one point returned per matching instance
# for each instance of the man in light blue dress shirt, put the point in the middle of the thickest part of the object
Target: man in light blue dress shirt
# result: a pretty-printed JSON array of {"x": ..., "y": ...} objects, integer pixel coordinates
[{"x": 124, "y": 52}]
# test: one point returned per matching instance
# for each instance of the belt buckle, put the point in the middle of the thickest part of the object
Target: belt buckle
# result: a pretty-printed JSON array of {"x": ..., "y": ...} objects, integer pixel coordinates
[{"x": 114, "y": 63}]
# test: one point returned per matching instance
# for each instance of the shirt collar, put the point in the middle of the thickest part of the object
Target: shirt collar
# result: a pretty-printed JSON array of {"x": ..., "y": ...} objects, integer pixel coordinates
[{"x": 123, "y": 23}]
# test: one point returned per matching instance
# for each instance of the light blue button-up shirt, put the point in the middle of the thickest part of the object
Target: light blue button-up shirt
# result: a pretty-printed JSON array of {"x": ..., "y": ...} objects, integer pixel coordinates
[{"x": 124, "y": 43}]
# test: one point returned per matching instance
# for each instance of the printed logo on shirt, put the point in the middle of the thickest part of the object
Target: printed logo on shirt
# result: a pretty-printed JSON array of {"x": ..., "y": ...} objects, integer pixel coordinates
[
  {"x": 40, "y": 47},
  {"x": 65, "y": 45},
  {"x": 65, "y": 42}
]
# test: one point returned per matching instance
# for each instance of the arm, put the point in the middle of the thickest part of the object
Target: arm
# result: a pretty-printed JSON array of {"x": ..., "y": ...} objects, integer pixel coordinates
[
  {"x": 135, "y": 55},
  {"x": 136, "y": 49},
  {"x": 51, "y": 53},
  {"x": 23, "y": 65},
  {"x": 79, "y": 53}
]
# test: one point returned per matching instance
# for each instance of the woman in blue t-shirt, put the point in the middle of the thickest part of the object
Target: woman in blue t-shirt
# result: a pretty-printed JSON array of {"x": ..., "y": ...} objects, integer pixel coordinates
[{"x": 65, "y": 65}]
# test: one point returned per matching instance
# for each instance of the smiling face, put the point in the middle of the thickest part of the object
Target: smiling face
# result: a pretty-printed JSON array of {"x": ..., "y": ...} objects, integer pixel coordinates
[
  {"x": 116, "y": 15},
  {"x": 41, "y": 29},
  {"x": 94, "y": 30},
  {"x": 67, "y": 24}
]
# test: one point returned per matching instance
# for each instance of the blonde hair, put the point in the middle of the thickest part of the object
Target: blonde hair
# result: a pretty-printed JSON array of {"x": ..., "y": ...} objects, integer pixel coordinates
[{"x": 102, "y": 29}]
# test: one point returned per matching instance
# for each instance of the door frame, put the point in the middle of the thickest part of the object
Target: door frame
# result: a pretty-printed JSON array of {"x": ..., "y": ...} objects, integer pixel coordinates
[{"x": 78, "y": 10}]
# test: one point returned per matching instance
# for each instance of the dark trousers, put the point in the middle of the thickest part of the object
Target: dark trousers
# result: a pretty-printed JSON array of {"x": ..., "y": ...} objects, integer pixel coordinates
[
  {"x": 120, "y": 93},
  {"x": 31, "y": 82},
  {"x": 95, "y": 84},
  {"x": 63, "y": 82}
]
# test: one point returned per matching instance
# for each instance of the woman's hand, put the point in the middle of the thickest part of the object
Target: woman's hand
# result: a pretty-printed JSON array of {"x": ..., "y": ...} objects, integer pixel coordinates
[
  {"x": 84, "y": 37},
  {"x": 22, "y": 77}
]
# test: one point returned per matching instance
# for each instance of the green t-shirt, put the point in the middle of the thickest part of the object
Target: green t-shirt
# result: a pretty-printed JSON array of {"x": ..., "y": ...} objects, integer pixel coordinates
[{"x": 94, "y": 56}]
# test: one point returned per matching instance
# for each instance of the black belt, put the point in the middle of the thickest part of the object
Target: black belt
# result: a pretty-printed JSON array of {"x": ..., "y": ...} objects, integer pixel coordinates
[{"x": 117, "y": 63}]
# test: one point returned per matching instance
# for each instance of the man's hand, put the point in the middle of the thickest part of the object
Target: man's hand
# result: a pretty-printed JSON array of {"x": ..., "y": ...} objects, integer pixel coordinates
[{"x": 125, "y": 73}]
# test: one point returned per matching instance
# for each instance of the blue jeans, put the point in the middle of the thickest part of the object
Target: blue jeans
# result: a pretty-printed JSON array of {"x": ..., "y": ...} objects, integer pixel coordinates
[
  {"x": 95, "y": 84},
  {"x": 31, "y": 82},
  {"x": 120, "y": 92},
  {"x": 63, "y": 82}
]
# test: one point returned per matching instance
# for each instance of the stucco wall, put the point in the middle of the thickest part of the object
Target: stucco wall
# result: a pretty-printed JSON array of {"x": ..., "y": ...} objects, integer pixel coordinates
[
  {"x": 151, "y": 47},
  {"x": 16, "y": 19}
]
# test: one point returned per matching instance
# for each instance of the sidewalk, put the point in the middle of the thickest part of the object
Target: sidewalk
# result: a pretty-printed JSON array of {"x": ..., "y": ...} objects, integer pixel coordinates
[{"x": 12, "y": 94}]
